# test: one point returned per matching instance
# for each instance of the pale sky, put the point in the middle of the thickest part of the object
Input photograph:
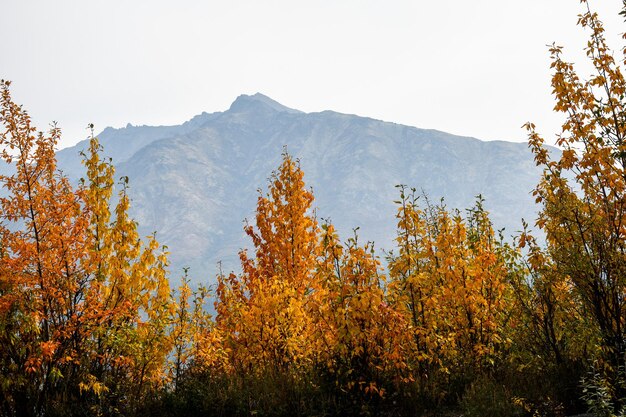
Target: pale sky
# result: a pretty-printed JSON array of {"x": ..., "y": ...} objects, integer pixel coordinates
[{"x": 475, "y": 68}]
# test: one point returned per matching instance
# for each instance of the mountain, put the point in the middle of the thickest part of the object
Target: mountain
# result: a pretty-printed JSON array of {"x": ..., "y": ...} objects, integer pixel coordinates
[{"x": 195, "y": 183}]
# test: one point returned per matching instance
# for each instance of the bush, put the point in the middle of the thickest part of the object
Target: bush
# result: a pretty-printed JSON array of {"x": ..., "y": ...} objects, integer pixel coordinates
[{"x": 488, "y": 398}]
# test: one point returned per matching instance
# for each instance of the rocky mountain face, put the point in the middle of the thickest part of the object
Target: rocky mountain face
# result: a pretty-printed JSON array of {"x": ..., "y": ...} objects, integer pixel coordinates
[{"x": 195, "y": 183}]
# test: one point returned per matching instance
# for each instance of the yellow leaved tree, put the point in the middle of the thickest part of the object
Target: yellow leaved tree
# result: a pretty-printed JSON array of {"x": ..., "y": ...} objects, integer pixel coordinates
[
  {"x": 450, "y": 280},
  {"x": 262, "y": 314},
  {"x": 583, "y": 193},
  {"x": 358, "y": 334},
  {"x": 128, "y": 301}
]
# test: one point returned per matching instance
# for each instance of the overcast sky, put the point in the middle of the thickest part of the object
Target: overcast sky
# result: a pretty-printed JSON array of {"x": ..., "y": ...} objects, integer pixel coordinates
[{"x": 476, "y": 68}]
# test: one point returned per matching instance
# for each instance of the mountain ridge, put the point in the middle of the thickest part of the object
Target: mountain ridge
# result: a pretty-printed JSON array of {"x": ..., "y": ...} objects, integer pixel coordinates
[{"x": 196, "y": 182}]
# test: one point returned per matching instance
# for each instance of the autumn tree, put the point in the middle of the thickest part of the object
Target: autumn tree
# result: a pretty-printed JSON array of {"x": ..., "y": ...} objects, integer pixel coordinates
[
  {"x": 582, "y": 193},
  {"x": 192, "y": 333},
  {"x": 262, "y": 313},
  {"x": 552, "y": 335},
  {"x": 358, "y": 334},
  {"x": 44, "y": 241},
  {"x": 450, "y": 280},
  {"x": 84, "y": 303},
  {"x": 129, "y": 296}
]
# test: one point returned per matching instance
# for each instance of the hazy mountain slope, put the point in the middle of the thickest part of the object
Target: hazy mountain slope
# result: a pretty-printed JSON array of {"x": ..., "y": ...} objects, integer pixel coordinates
[
  {"x": 195, "y": 183},
  {"x": 121, "y": 144}
]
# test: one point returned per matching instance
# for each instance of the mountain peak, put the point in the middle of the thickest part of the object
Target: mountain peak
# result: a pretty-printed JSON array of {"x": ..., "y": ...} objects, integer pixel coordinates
[{"x": 248, "y": 102}]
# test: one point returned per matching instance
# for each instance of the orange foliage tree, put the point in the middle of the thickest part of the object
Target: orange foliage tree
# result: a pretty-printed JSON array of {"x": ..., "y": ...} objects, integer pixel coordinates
[
  {"x": 44, "y": 241},
  {"x": 84, "y": 304},
  {"x": 262, "y": 313}
]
